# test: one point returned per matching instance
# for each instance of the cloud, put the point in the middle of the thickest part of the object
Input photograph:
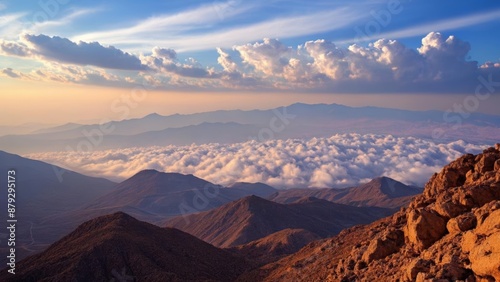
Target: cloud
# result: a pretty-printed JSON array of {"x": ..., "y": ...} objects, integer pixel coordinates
[
  {"x": 63, "y": 50},
  {"x": 10, "y": 72},
  {"x": 338, "y": 161},
  {"x": 82, "y": 53},
  {"x": 171, "y": 24},
  {"x": 49, "y": 25},
  {"x": 439, "y": 65},
  {"x": 268, "y": 57},
  {"x": 10, "y": 24},
  {"x": 226, "y": 61},
  {"x": 165, "y": 61},
  {"x": 423, "y": 29},
  {"x": 185, "y": 37}
]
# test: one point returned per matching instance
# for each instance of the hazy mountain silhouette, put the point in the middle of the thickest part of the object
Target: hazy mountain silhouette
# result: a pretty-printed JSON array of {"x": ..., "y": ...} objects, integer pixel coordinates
[
  {"x": 319, "y": 120},
  {"x": 44, "y": 190},
  {"x": 380, "y": 192}
]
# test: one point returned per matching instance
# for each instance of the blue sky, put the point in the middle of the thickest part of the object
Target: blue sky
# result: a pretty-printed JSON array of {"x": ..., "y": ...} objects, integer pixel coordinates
[
  {"x": 253, "y": 46},
  {"x": 76, "y": 20}
]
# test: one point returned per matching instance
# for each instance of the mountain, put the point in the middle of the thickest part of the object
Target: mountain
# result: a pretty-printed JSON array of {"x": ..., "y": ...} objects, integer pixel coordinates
[
  {"x": 64, "y": 127},
  {"x": 51, "y": 187},
  {"x": 294, "y": 121},
  {"x": 44, "y": 190},
  {"x": 276, "y": 245},
  {"x": 172, "y": 194},
  {"x": 449, "y": 233},
  {"x": 258, "y": 189},
  {"x": 252, "y": 218},
  {"x": 381, "y": 192},
  {"x": 118, "y": 247},
  {"x": 25, "y": 128},
  {"x": 230, "y": 132},
  {"x": 154, "y": 197}
]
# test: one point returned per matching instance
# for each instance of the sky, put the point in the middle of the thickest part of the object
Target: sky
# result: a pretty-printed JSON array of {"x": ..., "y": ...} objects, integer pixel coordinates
[{"x": 71, "y": 61}]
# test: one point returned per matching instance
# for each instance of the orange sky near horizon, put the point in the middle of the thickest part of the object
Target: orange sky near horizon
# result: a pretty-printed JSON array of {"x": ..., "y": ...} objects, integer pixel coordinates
[{"x": 58, "y": 103}]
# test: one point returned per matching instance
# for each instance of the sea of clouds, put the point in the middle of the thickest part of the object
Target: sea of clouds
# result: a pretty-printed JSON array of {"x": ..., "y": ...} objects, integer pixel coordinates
[{"x": 338, "y": 161}]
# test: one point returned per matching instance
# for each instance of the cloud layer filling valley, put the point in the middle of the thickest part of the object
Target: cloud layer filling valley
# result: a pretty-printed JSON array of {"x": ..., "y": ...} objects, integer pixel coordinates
[{"x": 338, "y": 161}]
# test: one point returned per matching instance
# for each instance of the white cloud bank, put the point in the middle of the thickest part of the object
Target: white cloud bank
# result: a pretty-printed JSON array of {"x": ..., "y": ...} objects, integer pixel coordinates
[
  {"x": 440, "y": 64},
  {"x": 338, "y": 161}
]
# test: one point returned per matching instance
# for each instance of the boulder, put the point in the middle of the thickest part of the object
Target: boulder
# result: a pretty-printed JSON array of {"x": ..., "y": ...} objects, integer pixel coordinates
[
  {"x": 486, "y": 163},
  {"x": 452, "y": 175},
  {"x": 424, "y": 228},
  {"x": 496, "y": 166},
  {"x": 461, "y": 223},
  {"x": 449, "y": 209},
  {"x": 417, "y": 266},
  {"x": 485, "y": 257},
  {"x": 382, "y": 247}
]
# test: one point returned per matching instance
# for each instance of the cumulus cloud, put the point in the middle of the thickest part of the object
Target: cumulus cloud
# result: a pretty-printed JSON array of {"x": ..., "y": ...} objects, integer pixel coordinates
[
  {"x": 226, "y": 61},
  {"x": 10, "y": 72},
  {"x": 66, "y": 51},
  {"x": 165, "y": 61},
  {"x": 440, "y": 64},
  {"x": 268, "y": 57},
  {"x": 338, "y": 161}
]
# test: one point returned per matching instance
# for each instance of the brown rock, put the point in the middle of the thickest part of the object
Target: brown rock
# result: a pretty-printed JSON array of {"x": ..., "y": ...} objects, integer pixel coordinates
[
  {"x": 486, "y": 163},
  {"x": 424, "y": 228},
  {"x": 382, "y": 247},
  {"x": 496, "y": 166},
  {"x": 483, "y": 212},
  {"x": 490, "y": 224},
  {"x": 452, "y": 272},
  {"x": 449, "y": 209},
  {"x": 461, "y": 223},
  {"x": 480, "y": 195},
  {"x": 485, "y": 257},
  {"x": 468, "y": 241},
  {"x": 415, "y": 267},
  {"x": 497, "y": 147},
  {"x": 471, "y": 176},
  {"x": 452, "y": 175}
]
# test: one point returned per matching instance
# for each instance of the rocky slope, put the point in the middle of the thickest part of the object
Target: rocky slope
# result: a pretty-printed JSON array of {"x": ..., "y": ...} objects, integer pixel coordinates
[
  {"x": 449, "y": 233},
  {"x": 118, "y": 247}
]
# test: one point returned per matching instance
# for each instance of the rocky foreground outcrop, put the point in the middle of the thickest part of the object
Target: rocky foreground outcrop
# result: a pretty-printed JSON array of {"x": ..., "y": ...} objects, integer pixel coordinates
[{"x": 449, "y": 233}]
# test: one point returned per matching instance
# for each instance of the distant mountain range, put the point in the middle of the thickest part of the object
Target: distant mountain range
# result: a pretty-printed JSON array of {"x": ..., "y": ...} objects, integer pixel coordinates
[
  {"x": 295, "y": 121},
  {"x": 380, "y": 192}
]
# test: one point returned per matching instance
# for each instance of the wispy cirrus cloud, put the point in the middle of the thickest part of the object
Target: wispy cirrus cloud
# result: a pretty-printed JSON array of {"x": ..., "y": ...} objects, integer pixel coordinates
[
  {"x": 49, "y": 25},
  {"x": 182, "y": 32},
  {"x": 443, "y": 25},
  {"x": 157, "y": 27},
  {"x": 11, "y": 24}
]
